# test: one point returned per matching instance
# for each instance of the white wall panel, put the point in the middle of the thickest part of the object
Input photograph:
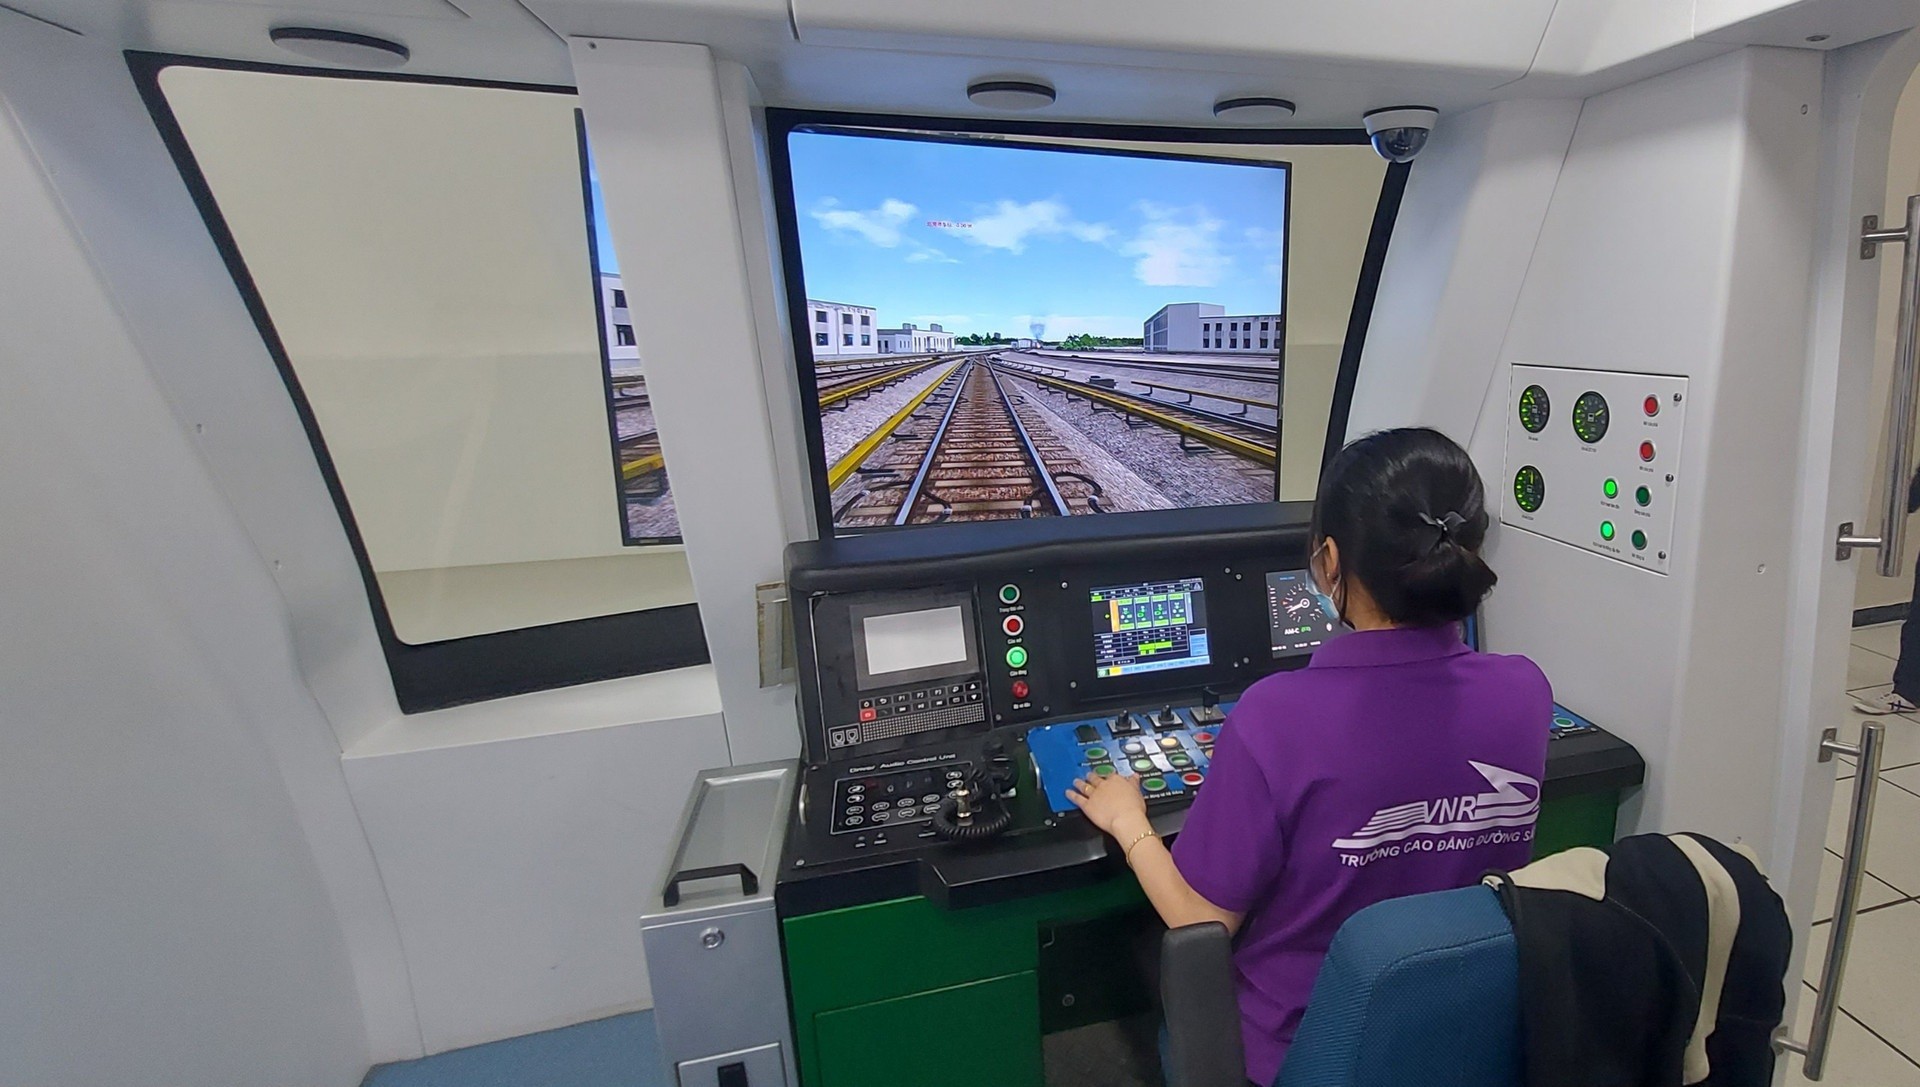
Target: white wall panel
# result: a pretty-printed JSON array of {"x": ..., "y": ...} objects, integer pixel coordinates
[
  {"x": 675, "y": 213},
  {"x": 519, "y": 869},
  {"x": 164, "y": 918}
]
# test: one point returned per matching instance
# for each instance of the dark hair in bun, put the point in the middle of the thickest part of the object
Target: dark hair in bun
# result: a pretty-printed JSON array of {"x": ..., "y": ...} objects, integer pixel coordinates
[{"x": 1409, "y": 512}]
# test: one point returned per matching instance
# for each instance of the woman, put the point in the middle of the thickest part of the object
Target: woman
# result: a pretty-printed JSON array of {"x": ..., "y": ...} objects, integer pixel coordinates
[{"x": 1398, "y": 761}]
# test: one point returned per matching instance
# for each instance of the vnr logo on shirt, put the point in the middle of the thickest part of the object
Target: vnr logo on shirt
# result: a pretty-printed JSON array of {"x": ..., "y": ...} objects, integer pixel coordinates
[{"x": 1514, "y": 802}]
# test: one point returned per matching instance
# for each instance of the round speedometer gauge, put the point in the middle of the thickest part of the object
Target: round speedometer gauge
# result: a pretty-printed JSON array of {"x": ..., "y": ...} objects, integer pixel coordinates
[
  {"x": 1590, "y": 417},
  {"x": 1535, "y": 409}
]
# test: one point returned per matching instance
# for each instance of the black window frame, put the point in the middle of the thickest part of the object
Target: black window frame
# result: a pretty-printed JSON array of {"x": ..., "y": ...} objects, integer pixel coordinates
[
  {"x": 480, "y": 667},
  {"x": 619, "y": 298}
]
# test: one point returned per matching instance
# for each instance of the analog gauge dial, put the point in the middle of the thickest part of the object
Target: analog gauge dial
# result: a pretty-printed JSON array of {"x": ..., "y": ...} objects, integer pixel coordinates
[
  {"x": 1590, "y": 417},
  {"x": 1535, "y": 409},
  {"x": 1529, "y": 488}
]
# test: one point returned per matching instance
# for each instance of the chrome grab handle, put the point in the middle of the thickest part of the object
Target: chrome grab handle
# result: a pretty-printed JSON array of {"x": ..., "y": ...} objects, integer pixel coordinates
[
  {"x": 1902, "y": 400},
  {"x": 1853, "y": 870}
]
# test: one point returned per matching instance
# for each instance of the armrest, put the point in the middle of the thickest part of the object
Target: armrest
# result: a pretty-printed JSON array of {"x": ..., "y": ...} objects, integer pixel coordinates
[{"x": 1203, "y": 1014}]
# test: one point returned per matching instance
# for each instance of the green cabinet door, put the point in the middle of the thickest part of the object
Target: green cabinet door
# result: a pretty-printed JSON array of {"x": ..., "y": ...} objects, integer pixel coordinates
[{"x": 974, "y": 1035}]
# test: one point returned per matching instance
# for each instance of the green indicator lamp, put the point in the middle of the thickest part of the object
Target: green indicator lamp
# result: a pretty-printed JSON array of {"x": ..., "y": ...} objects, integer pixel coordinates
[
  {"x": 1017, "y": 655},
  {"x": 1643, "y": 496},
  {"x": 1639, "y": 540},
  {"x": 1009, "y": 594},
  {"x": 1612, "y": 488},
  {"x": 1606, "y": 530}
]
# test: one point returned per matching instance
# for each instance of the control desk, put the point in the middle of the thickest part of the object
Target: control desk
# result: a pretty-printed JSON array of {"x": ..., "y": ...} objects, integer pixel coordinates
[
  {"x": 952, "y": 684},
  {"x": 1003, "y": 661}
]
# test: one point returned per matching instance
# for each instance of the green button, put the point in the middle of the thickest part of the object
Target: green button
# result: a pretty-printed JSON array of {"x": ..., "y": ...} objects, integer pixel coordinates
[
  {"x": 1105, "y": 769},
  {"x": 1144, "y": 766},
  {"x": 1009, "y": 594},
  {"x": 1639, "y": 540},
  {"x": 1611, "y": 488},
  {"x": 1017, "y": 655},
  {"x": 1096, "y": 753},
  {"x": 1180, "y": 762},
  {"x": 1643, "y": 496},
  {"x": 1606, "y": 530},
  {"x": 1154, "y": 785}
]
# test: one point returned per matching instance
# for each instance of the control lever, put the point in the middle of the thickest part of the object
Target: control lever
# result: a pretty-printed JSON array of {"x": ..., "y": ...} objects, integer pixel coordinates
[
  {"x": 979, "y": 813},
  {"x": 1167, "y": 720},
  {"x": 1208, "y": 712},
  {"x": 1124, "y": 724}
]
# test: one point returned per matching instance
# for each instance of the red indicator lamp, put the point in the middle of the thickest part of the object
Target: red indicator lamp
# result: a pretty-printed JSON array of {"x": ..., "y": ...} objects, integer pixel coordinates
[
  {"x": 1013, "y": 625},
  {"x": 1653, "y": 406},
  {"x": 1020, "y": 689},
  {"x": 1646, "y": 451}
]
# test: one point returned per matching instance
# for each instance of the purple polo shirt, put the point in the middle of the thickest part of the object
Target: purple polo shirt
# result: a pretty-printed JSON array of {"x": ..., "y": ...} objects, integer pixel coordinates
[{"x": 1396, "y": 762}]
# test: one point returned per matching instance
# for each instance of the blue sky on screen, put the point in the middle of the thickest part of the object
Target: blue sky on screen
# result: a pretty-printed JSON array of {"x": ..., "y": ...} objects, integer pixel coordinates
[
  {"x": 986, "y": 238},
  {"x": 602, "y": 241}
]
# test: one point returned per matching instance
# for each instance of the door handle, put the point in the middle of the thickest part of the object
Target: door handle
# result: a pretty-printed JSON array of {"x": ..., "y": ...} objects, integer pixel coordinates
[{"x": 1902, "y": 399}]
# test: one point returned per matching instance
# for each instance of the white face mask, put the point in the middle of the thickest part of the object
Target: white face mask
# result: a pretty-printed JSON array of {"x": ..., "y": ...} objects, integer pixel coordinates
[{"x": 1327, "y": 603}]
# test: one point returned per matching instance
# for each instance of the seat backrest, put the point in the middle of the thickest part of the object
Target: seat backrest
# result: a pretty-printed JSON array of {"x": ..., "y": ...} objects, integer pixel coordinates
[{"x": 1420, "y": 991}]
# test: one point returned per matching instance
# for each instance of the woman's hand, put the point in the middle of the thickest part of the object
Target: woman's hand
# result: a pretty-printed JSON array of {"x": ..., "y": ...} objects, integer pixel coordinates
[{"x": 1112, "y": 803}]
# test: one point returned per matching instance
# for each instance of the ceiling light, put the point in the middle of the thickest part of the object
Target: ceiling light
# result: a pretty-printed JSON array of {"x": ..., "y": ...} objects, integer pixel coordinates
[
  {"x": 341, "y": 47},
  {"x": 1254, "y": 110},
  {"x": 1011, "y": 94}
]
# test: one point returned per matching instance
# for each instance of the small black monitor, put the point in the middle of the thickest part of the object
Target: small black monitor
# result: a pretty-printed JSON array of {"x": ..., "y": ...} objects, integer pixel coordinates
[
  {"x": 1297, "y": 621},
  {"x": 1149, "y": 626}
]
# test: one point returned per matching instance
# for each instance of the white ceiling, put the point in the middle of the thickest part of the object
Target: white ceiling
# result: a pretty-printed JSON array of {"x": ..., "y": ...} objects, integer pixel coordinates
[{"x": 1114, "y": 60}]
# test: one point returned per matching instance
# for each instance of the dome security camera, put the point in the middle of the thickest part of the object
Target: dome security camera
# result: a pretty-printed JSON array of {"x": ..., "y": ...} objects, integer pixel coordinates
[{"x": 1399, "y": 132}]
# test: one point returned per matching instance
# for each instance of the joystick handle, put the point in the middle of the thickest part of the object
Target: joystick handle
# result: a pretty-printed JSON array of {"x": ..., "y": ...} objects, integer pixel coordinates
[{"x": 1209, "y": 698}]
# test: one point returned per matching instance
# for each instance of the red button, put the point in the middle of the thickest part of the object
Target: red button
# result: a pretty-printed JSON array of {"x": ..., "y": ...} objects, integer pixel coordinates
[
  {"x": 1204, "y": 737},
  {"x": 1013, "y": 624},
  {"x": 868, "y": 714},
  {"x": 1653, "y": 405},
  {"x": 1192, "y": 777},
  {"x": 1646, "y": 450},
  {"x": 1020, "y": 689}
]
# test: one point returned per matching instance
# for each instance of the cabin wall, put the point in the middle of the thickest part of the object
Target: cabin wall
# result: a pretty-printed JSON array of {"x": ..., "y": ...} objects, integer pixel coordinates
[
  {"x": 1676, "y": 240},
  {"x": 484, "y": 865},
  {"x": 166, "y": 918}
]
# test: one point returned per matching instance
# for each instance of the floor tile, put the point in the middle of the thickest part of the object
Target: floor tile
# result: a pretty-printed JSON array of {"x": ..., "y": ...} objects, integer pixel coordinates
[
  {"x": 1906, "y": 777},
  {"x": 1900, "y": 740},
  {"x": 1873, "y": 892},
  {"x": 1882, "y": 983},
  {"x": 1883, "y": 639},
  {"x": 1855, "y": 1058},
  {"x": 621, "y": 1051},
  {"x": 1893, "y": 846},
  {"x": 1865, "y": 668}
]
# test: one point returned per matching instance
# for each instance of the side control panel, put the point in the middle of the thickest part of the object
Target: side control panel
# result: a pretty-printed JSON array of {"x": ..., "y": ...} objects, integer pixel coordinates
[{"x": 1593, "y": 459}]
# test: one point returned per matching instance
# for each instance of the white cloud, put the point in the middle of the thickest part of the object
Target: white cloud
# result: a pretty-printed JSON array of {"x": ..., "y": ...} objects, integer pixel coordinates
[
  {"x": 880, "y": 225},
  {"x": 1178, "y": 247},
  {"x": 1010, "y": 225},
  {"x": 929, "y": 253}
]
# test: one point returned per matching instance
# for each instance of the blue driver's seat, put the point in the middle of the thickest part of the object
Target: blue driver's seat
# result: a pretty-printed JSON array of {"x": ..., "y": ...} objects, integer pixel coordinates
[{"x": 1421, "y": 991}]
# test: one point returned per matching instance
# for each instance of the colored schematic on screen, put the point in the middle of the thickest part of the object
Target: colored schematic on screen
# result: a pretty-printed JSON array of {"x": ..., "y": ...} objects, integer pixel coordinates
[
  {"x": 1149, "y": 627},
  {"x": 1295, "y": 617}
]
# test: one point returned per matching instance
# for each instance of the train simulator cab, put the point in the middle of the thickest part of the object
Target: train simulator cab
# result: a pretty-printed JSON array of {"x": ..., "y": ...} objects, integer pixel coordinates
[{"x": 596, "y": 541}]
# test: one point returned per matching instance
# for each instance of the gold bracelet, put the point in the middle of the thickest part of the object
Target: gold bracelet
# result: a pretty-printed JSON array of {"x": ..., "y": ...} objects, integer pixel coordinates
[{"x": 1127, "y": 853}]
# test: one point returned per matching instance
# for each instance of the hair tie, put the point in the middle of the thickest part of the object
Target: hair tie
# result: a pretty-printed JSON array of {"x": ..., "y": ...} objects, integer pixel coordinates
[{"x": 1446, "y": 523}]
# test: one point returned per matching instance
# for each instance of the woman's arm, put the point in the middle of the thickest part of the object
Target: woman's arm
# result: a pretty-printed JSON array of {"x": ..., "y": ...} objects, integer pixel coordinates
[{"x": 1114, "y": 804}]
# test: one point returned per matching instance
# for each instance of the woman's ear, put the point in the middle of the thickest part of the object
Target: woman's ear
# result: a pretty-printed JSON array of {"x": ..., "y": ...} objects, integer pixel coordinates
[{"x": 1330, "y": 561}]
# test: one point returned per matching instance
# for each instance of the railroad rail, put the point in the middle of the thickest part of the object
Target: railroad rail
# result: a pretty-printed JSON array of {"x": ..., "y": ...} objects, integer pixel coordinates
[
  {"x": 1245, "y": 402},
  {"x": 832, "y": 395},
  {"x": 1264, "y": 374},
  {"x": 962, "y": 451},
  {"x": 1246, "y": 438},
  {"x": 640, "y": 457}
]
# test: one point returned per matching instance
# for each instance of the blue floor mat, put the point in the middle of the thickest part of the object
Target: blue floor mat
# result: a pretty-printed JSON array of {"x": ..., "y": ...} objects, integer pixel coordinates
[{"x": 620, "y": 1051}]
